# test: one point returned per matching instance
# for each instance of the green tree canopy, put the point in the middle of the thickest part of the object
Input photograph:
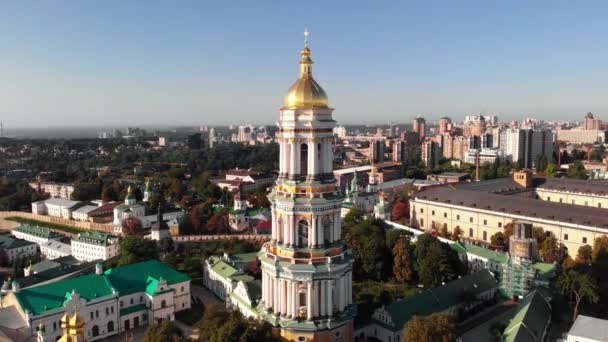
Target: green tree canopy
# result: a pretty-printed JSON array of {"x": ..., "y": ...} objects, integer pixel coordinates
[{"x": 438, "y": 327}]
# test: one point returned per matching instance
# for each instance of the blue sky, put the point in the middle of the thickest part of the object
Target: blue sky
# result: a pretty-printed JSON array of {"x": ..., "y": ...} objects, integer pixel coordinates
[{"x": 75, "y": 63}]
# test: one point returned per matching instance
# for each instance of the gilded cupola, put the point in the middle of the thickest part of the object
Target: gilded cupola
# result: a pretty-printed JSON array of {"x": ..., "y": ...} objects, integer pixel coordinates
[{"x": 306, "y": 93}]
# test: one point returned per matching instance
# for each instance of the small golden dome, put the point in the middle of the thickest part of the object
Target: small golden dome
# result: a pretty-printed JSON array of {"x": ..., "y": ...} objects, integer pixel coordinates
[{"x": 306, "y": 93}]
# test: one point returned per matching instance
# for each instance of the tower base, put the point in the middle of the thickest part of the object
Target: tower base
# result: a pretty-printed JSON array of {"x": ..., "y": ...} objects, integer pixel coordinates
[{"x": 342, "y": 333}]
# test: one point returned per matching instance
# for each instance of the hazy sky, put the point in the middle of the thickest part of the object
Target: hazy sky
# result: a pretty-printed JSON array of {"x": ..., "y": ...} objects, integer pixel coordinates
[{"x": 80, "y": 63}]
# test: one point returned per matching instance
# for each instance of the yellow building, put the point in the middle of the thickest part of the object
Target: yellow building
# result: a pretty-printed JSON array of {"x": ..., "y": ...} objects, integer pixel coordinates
[{"x": 574, "y": 211}]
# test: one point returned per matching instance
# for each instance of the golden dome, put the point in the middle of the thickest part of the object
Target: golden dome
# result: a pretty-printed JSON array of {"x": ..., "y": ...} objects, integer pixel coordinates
[
  {"x": 76, "y": 321},
  {"x": 306, "y": 93}
]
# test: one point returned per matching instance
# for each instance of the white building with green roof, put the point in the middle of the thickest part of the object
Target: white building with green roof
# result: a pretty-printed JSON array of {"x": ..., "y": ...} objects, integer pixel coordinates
[
  {"x": 388, "y": 321},
  {"x": 110, "y": 302},
  {"x": 92, "y": 245},
  {"x": 35, "y": 234}
]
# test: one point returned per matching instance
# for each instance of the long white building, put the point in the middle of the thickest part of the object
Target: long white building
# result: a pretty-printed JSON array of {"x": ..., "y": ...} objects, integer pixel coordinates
[{"x": 110, "y": 302}]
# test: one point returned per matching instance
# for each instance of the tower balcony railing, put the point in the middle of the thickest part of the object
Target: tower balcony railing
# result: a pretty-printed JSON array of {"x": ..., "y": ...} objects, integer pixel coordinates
[{"x": 304, "y": 258}]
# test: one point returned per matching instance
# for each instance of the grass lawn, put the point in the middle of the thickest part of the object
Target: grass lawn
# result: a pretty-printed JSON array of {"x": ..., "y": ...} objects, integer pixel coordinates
[{"x": 61, "y": 227}]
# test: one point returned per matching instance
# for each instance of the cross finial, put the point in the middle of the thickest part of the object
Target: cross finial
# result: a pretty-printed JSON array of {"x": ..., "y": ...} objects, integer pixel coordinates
[{"x": 306, "y": 33}]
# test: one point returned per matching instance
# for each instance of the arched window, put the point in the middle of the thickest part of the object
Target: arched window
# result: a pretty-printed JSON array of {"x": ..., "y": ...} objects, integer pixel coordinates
[
  {"x": 470, "y": 232},
  {"x": 110, "y": 326},
  {"x": 485, "y": 235},
  {"x": 163, "y": 304},
  {"x": 95, "y": 331},
  {"x": 303, "y": 160},
  {"x": 327, "y": 230},
  {"x": 303, "y": 233}
]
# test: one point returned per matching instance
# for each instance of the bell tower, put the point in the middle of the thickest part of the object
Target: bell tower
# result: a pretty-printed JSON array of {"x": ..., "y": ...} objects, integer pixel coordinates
[{"x": 307, "y": 267}]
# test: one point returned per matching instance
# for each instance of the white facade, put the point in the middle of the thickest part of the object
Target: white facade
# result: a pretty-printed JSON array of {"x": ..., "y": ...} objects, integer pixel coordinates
[
  {"x": 82, "y": 214},
  {"x": 55, "y": 249},
  {"x": 56, "y": 207},
  {"x": 93, "y": 249}
]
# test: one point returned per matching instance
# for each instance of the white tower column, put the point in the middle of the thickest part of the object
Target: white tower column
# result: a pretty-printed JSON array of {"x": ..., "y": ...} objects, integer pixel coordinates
[
  {"x": 312, "y": 242},
  {"x": 309, "y": 301}
]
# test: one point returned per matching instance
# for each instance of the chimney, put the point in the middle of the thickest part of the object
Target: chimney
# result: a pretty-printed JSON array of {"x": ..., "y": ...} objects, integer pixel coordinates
[
  {"x": 98, "y": 269},
  {"x": 523, "y": 178}
]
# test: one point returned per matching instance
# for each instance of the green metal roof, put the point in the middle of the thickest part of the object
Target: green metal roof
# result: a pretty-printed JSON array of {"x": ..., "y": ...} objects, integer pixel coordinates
[
  {"x": 544, "y": 268},
  {"x": 530, "y": 320},
  {"x": 10, "y": 242},
  {"x": 438, "y": 299},
  {"x": 39, "y": 299},
  {"x": 97, "y": 238},
  {"x": 221, "y": 267},
  {"x": 132, "y": 309},
  {"x": 37, "y": 231},
  {"x": 482, "y": 252},
  {"x": 140, "y": 277},
  {"x": 244, "y": 257}
]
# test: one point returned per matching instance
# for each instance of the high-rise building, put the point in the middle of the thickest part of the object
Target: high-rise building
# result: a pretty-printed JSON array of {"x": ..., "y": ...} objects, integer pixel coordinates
[
  {"x": 306, "y": 266},
  {"x": 400, "y": 151},
  {"x": 524, "y": 146},
  {"x": 419, "y": 127},
  {"x": 212, "y": 137},
  {"x": 591, "y": 123},
  {"x": 445, "y": 125},
  {"x": 479, "y": 126},
  {"x": 376, "y": 151},
  {"x": 430, "y": 153}
]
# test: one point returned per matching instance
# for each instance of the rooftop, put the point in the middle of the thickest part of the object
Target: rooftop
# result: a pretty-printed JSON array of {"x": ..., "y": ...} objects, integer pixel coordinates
[
  {"x": 96, "y": 238},
  {"x": 498, "y": 257},
  {"x": 530, "y": 319},
  {"x": 589, "y": 327},
  {"x": 517, "y": 205},
  {"x": 439, "y": 299},
  {"x": 10, "y": 242},
  {"x": 61, "y": 202},
  {"x": 37, "y": 231},
  {"x": 140, "y": 277}
]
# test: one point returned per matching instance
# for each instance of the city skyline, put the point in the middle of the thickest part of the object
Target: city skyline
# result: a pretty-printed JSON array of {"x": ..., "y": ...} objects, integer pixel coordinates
[{"x": 214, "y": 64}]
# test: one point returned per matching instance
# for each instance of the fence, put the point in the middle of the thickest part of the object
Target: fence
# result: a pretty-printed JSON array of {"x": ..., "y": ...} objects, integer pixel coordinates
[{"x": 85, "y": 225}]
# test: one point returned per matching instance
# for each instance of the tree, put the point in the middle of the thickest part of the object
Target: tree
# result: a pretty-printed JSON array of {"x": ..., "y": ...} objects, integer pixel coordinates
[
  {"x": 401, "y": 210},
  {"x": 444, "y": 231},
  {"x": 371, "y": 255},
  {"x": 166, "y": 331},
  {"x": 581, "y": 285},
  {"x": 539, "y": 234},
  {"x": 132, "y": 226},
  {"x": 569, "y": 263},
  {"x": 577, "y": 170},
  {"x": 437, "y": 327},
  {"x": 498, "y": 239},
  {"x": 549, "y": 249},
  {"x": 456, "y": 233},
  {"x": 584, "y": 255},
  {"x": 598, "y": 153},
  {"x": 600, "y": 246},
  {"x": 260, "y": 199},
  {"x": 508, "y": 232},
  {"x": 393, "y": 235},
  {"x": 551, "y": 170},
  {"x": 134, "y": 248},
  {"x": 108, "y": 194},
  {"x": 219, "y": 325},
  {"x": 403, "y": 269},
  {"x": 435, "y": 262},
  {"x": 218, "y": 223},
  {"x": 354, "y": 216}
]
